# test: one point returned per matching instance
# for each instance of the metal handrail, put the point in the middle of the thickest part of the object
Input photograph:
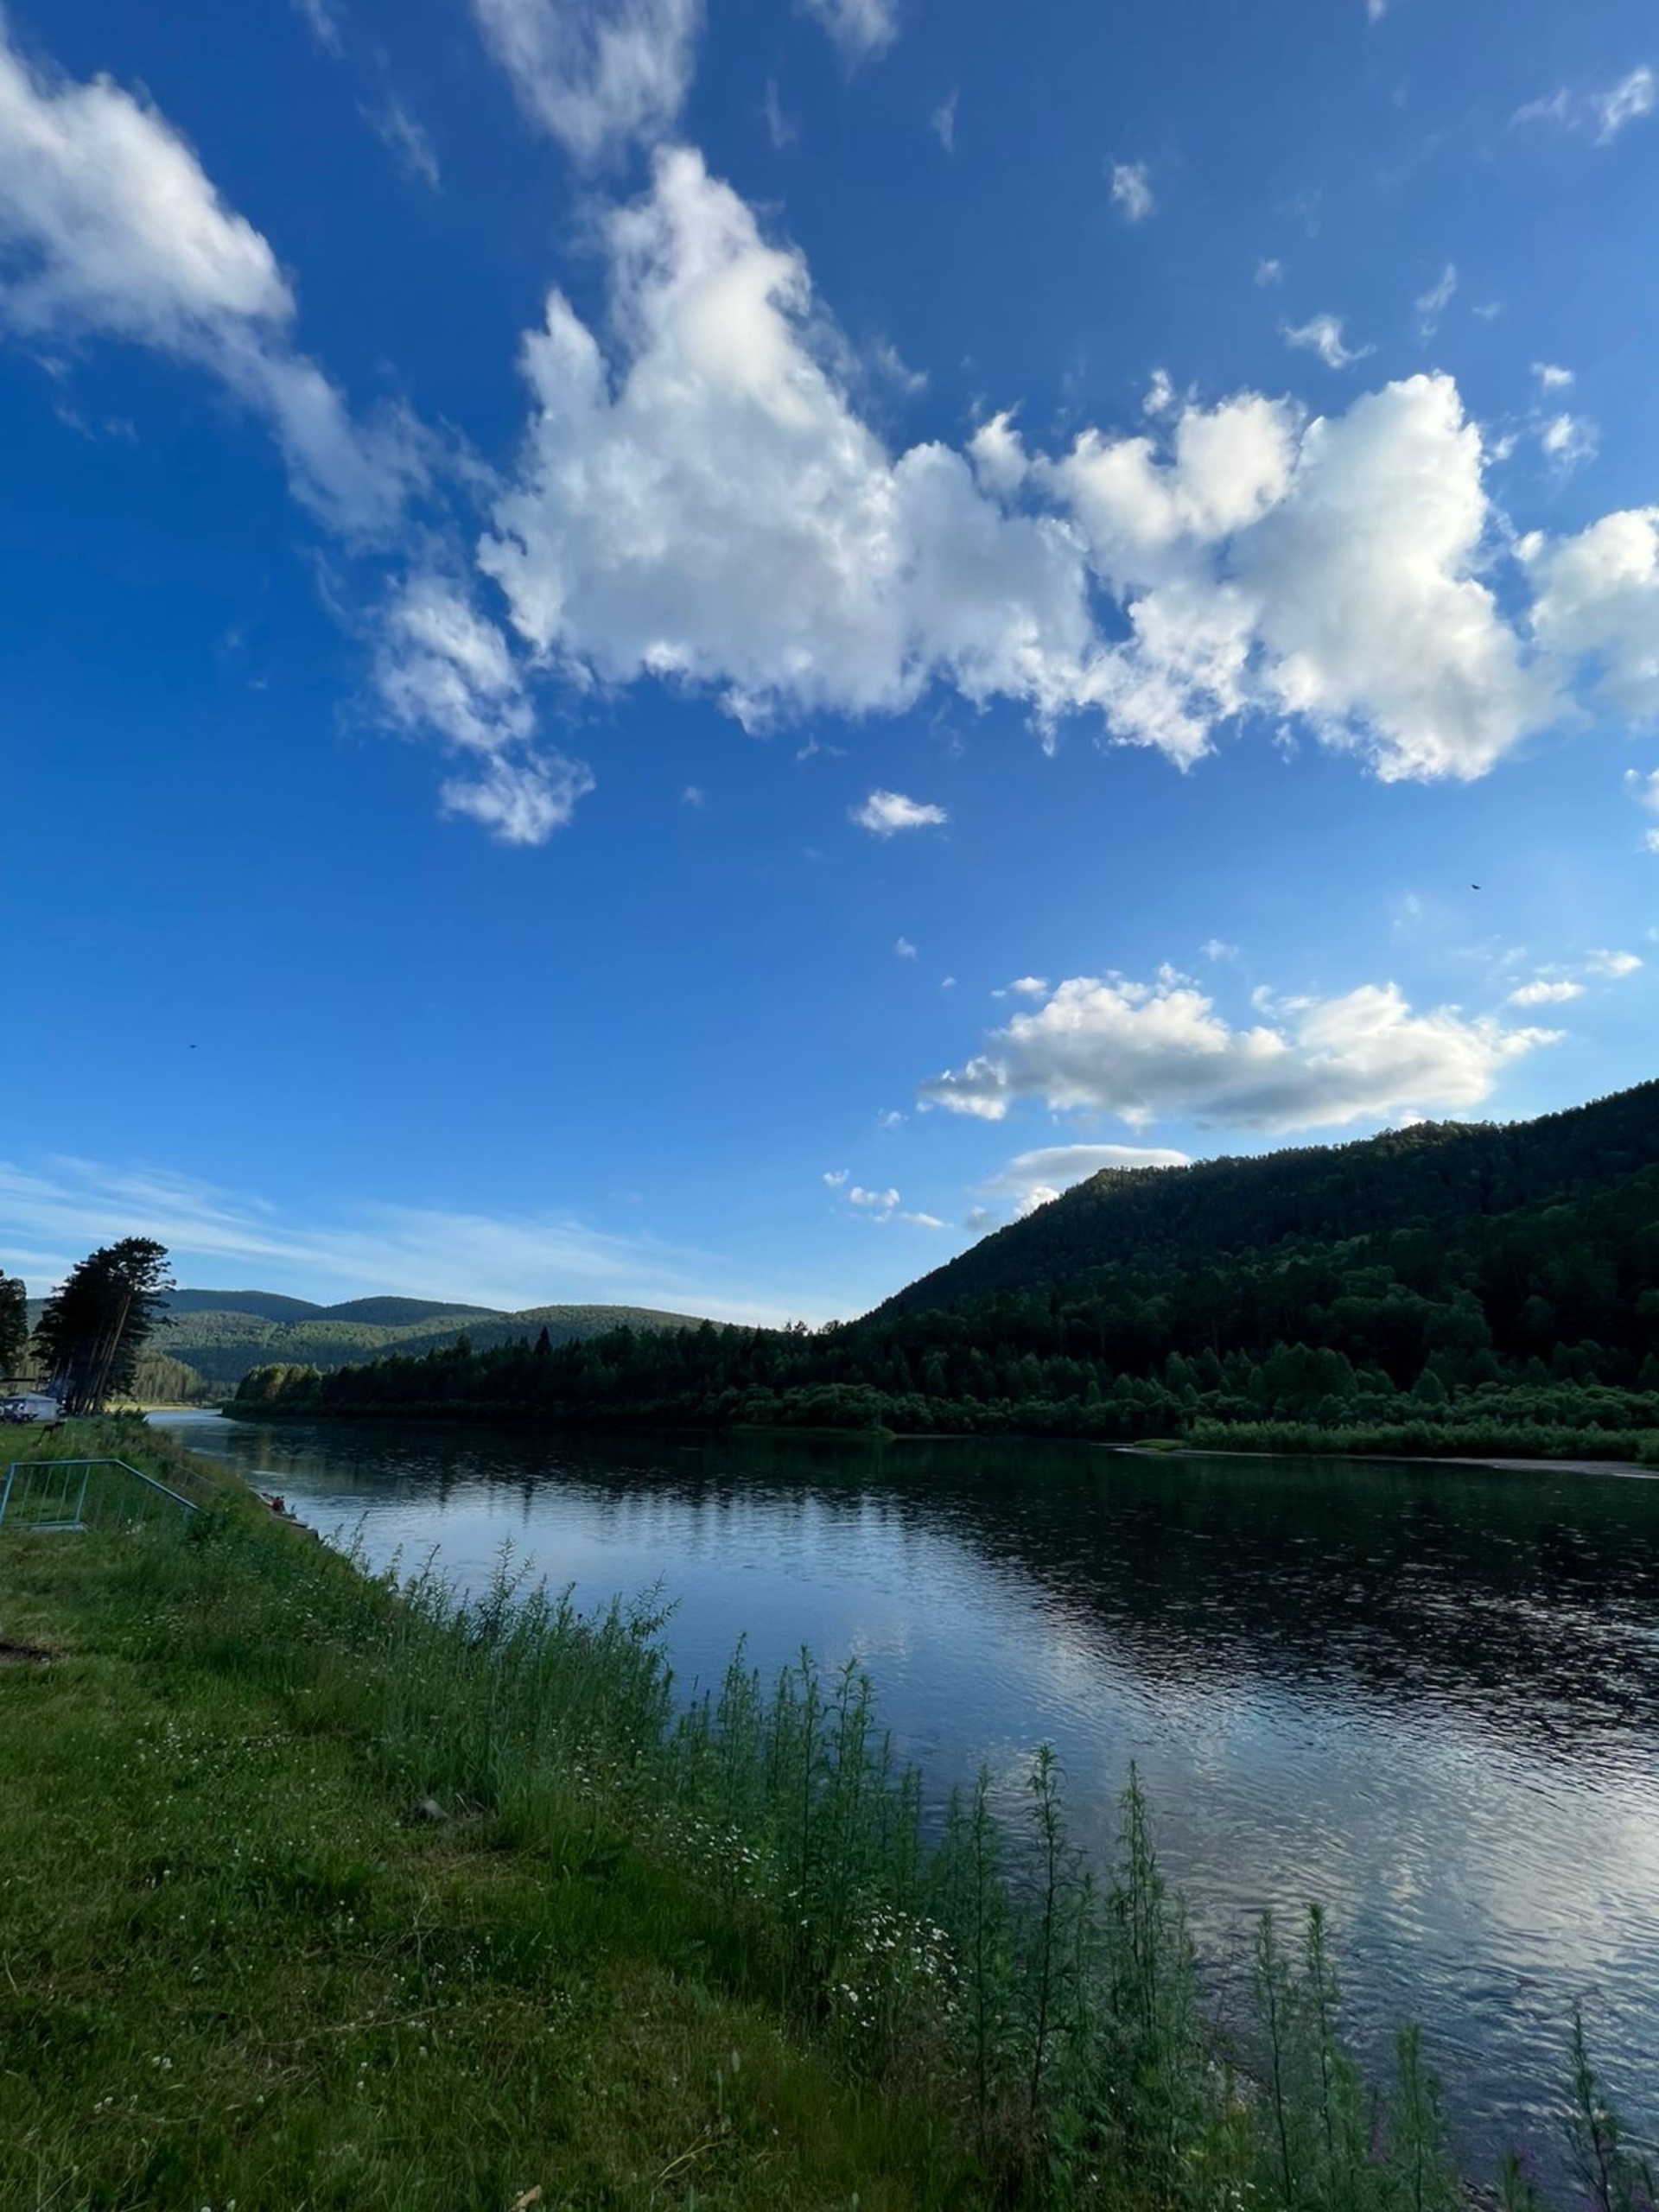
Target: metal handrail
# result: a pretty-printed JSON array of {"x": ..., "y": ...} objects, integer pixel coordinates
[{"x": 84, "y": 1468}]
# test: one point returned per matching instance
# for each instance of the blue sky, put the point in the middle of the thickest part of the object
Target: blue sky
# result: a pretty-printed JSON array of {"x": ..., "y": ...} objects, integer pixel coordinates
[{"x": 682, "y": 654}]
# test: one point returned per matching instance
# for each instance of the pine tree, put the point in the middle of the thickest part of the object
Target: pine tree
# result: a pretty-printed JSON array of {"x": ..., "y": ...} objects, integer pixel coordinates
[
  {"x": 98, "y": 1321},
  {"x": 14, "y": 1327}
]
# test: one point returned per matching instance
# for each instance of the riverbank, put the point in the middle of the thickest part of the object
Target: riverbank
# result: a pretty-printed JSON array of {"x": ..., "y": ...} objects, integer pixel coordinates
[
  {"x": 243, "y": 1965},
  {"x": 1178, "y": 1448},
  {"x": 319, "y": 1893},
  {"x": 1624, "y": 1452}
]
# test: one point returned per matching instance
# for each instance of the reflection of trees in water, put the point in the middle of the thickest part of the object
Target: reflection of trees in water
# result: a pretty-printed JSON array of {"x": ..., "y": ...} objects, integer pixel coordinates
[{"x": 1527, "y": 1599}]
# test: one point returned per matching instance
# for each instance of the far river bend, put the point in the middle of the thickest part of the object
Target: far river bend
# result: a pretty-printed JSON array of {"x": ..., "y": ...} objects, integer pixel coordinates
[{"x": 1426, "y": 1697}]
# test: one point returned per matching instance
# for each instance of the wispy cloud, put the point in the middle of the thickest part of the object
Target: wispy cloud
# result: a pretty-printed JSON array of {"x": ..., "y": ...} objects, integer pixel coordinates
[
  {"x": 597, "y": 73},
  {"x": 780, "y": 128},
  {"x": 52, "y": 1217},
  {"x": 1604, "y": 114},
  {"x": 324, "y": 25},
  {"x": 1645, "y": 790},
  {"x": 943, "y": 123},
  {"x": 1569, "y": 439},
  {"x": 863, "y": 29},
  {"x": 1132, "y": 191},
  {"x": 1431, "y": 304},
  {"x": 1615, "y": 966},
  {"x": 113, "y": 230},
  {"x": 1322, "y": 334},
  {"x": 409, "y": 145}
]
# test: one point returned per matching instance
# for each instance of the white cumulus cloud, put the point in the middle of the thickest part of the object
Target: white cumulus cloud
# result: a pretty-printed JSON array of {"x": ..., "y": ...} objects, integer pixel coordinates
[
  {"x": 1382, "y": 631},
  {"x": 1543, "y": 993},
  {"x": 1552, "y": 378},
  {"x": 700, "y": 502},
  {"x": 1598, "y": 603},
  {"x": 1645, "y": 790},
  {"x": 1146, "y": 1051},
  {"x": 711, "y": 510},
  {"x": 597, "y": 73},
  {"x": 884, "y": 813}
]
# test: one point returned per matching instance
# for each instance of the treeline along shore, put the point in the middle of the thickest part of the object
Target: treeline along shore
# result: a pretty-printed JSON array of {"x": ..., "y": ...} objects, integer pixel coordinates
[
  {"x": 1440, "y": 1290},
  {"x": 322, "y": 1889}
]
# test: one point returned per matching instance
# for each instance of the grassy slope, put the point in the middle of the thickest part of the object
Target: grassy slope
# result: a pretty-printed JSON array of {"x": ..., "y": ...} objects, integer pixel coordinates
[
  {"x": 222, "y": 1345},
  {"x": 233, "y": 1972}
]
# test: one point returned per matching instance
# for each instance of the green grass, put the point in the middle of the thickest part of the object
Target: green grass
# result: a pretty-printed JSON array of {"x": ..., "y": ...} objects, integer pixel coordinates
[
  {"x": 646, "y": 1957},
  {"x": 230, "y": 1969}
]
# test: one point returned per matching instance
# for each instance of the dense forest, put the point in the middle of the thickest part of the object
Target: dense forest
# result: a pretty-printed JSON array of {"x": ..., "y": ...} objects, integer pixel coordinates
[
  {"x": 1441, "y": 1289},
  {"x": 218, "y": 1336}
]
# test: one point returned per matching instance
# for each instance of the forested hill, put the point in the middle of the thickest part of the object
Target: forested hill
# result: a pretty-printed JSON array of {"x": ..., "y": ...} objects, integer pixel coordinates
[
  {"x": 221, "y": 1335},
  {"x": 1439, "y": 1289},
  {"x": 1435, "y": 1198}
]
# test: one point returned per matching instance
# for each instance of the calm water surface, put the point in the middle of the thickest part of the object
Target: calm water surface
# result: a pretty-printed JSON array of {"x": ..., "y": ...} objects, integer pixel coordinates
[{"x": 1429, "y": 1699}]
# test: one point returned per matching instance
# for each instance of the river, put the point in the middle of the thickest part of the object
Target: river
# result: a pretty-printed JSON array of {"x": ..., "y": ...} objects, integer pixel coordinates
[{"x": 1427, "y": 1697}]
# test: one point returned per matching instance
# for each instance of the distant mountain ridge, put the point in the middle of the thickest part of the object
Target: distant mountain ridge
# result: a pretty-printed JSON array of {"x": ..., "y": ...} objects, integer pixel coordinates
[
  {"x": 272, "y": 1305},
  {"x": 221, "y": 1334}
]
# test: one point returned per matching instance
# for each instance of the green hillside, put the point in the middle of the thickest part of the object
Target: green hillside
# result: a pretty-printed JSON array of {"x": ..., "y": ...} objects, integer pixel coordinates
[
  {"x": 398, "y": 1312},
  {"x": 264, "y": 1305},
  {"x": 222, "y": 1343},
  {"x": 1474, "y": 1207},
  {"x": 1451, "y": 1288}
]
